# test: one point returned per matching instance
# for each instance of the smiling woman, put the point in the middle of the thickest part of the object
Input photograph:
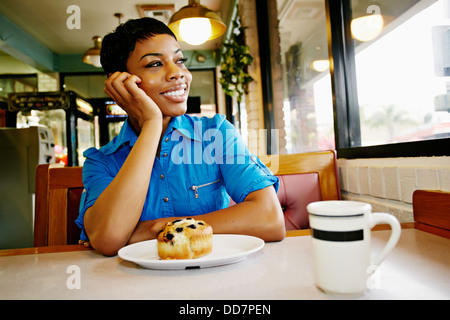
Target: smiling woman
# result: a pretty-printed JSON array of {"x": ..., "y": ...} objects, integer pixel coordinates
[
  {"x": 132, "y": 186},
  {"x": 158, "y": 62}
]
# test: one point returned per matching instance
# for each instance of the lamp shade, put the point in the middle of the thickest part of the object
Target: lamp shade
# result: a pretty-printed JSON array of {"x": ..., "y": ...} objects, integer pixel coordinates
[
  {"x": 92, "y": 56},
  {"x": 367, "y": 28},
  {"x": 321, "y": 65},
  {"x": 196, "y": 10}
]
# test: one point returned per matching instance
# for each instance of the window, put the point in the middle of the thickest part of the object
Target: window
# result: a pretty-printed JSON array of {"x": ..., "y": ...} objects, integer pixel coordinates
[
  {"x": 87, "y": 85},
  {"x": 391, "y": 87},
  {"x": 403, "y": 73},
  {"x": 17, "y": 83},
  {"x": 203, "y": 92},
  {"x": 300, "y": 78},
  {"x": 385, "y": 94}
]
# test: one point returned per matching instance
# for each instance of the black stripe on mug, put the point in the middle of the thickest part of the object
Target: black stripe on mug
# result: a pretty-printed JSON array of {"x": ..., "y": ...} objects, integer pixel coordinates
[{"x": 338, "y": 236}]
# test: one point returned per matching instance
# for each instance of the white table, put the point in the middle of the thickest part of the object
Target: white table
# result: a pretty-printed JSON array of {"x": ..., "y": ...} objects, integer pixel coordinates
[{"x": 418, "y": 268}]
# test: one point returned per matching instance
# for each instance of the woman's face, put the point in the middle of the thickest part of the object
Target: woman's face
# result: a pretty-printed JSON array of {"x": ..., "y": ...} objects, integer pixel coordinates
[{"x": 159, "y": 63}]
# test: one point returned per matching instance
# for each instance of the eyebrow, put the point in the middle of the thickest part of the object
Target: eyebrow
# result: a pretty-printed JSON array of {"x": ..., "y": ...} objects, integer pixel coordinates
[{"x": 157, "y": 54}]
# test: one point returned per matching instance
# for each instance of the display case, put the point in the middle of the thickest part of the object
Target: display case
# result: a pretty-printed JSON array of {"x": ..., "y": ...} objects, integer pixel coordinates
[{"x": 70, "y": 117}]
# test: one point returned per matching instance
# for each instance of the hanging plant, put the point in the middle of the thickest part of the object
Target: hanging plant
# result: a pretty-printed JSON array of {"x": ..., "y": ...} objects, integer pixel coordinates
[{"x": 234, "y": 62}]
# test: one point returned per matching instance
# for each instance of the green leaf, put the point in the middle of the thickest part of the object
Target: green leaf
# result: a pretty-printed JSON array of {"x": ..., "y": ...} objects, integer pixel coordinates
[{"x": 234, "y": 62}]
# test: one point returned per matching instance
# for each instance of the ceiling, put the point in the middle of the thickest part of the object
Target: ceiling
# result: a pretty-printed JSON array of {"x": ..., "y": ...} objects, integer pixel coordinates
[{"x": 46, "y": 20}]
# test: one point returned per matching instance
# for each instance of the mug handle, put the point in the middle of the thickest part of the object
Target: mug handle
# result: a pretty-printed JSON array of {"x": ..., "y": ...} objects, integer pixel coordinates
[{"x": 379, "y": 218}]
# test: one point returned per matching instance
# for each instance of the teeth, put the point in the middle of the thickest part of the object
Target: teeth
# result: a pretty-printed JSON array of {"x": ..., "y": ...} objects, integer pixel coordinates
[{"x": 175, "y": 93}]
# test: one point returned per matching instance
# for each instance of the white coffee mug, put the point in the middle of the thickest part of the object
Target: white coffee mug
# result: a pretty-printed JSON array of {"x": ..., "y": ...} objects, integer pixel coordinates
[{"x": 340, "y": 232}]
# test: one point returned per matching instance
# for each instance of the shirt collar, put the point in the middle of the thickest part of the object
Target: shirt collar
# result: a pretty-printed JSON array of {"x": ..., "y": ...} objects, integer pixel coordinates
[
  {"x": 184, "y": 125},
  {"x": 126, "y": 135}
]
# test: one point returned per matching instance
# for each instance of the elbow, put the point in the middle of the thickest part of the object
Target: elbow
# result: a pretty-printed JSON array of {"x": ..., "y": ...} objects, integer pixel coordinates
[
  {"x": 271, "y": 226},
  {"x": 106, "y": 247},
  {"x": 279, "y": 233},
  {"x": 276, "y": 229},
  {"x": 108, "y": 251},
  {"x": 106, "y": 243},
  {"x": 105, "y": 238}
]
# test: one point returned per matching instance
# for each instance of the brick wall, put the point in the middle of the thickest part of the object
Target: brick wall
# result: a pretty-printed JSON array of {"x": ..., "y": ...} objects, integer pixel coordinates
[
  {"x": 253, "y": 100},
  {"x": 388, "y": 184},
  {"x": 48, "y": 82}
]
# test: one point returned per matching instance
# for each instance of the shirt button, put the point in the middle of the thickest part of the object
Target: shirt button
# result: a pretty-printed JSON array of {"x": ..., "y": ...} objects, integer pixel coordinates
[
  {"x": 167, "y": 139},
  {"x": 161, "y": 176},
  {"x": 166, "y": 199},
  {"x": 165, "y": 154}
]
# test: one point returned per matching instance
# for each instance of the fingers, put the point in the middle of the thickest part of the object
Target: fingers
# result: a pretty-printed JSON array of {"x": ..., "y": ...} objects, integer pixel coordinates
[
  {"x": 87, "y": 244},
  {"x": 122, "y": 86},
  {"x": 124, "y": 89},
  {"x": 110, "y": 89}
]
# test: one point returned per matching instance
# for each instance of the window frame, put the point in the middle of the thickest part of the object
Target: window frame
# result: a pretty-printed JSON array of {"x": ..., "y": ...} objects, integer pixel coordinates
[
  {"x": 265, "y": 56},
  {"x": 345, "y": 99},
  {"x": 341, "y": 53}
]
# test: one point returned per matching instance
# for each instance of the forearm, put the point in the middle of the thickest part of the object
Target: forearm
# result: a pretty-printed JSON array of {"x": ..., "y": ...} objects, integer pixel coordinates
[
  {"x": 111, "y": 220},
  {"x": 259, "y": 215}
]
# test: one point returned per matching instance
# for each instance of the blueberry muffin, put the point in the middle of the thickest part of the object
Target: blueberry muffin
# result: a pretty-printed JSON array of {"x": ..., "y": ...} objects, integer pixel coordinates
[{"x": 184, "y": 239}]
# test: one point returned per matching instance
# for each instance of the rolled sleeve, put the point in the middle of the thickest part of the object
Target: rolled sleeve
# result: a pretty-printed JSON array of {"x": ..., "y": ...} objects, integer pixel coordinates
[{"x": 243, "y": 172}]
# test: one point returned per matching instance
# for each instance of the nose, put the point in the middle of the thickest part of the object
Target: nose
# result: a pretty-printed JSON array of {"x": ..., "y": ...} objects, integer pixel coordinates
[{"x": 174, "y": 72}]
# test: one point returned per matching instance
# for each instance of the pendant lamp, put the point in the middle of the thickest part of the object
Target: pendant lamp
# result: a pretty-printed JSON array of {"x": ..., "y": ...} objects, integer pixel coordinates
[
  {"x": 92, "y": 56},
  {"x": 196, "y": 24},
  {"x": 368, "y": 26}
]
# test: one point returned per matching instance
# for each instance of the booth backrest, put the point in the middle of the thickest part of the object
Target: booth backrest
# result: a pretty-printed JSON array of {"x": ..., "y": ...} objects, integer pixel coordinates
[
  {"x": 304, "y": 178},
  {"x": 296, "y": 191},
  {"x": 431, "y": 209},
  {"x": 57, "y": 201}
]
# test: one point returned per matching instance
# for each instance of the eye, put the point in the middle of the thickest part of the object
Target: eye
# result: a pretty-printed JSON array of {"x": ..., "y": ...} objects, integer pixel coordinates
[
  {"x": 182, "y": 60},
  {"x": 154, "y": 64}
]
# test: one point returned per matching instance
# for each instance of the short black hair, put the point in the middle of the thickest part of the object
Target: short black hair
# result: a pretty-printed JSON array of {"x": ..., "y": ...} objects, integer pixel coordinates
[{"x": 118, "y": 45}]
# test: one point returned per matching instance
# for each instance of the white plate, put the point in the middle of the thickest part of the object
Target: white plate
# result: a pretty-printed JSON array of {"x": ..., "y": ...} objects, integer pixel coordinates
[{"x": 227, "y": 248}]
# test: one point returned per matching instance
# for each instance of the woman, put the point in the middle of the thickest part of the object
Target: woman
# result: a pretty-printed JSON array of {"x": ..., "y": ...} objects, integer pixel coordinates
[{"x": 165, "y": 164}]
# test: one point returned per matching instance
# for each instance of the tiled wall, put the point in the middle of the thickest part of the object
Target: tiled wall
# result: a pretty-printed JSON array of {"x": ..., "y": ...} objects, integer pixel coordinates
[{"x": 388, "y": 184}]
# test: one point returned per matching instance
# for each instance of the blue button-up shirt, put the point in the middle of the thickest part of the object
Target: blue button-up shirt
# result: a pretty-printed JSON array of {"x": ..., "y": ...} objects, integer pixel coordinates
[{"x": 203, "y": 161}]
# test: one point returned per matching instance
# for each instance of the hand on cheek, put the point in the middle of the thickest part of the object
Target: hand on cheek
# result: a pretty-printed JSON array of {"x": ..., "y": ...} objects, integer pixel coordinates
[{"x": 125, "y": 89}]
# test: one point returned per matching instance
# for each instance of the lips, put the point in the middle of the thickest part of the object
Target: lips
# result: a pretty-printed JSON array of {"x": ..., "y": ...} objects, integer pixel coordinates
[{"x": 176, "y": 93}]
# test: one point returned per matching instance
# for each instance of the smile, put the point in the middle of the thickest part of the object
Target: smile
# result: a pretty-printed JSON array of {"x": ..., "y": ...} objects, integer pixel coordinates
[{"x": 176, "y": 91}]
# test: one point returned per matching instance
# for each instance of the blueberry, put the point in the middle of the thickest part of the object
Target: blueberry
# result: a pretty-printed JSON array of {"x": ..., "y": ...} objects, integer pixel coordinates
[{"x": 169, "y": 236}]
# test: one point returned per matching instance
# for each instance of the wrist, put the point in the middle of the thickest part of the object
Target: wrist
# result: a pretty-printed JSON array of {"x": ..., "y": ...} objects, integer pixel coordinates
[
  {"x": 150, "y": 124},
  {"x": 157, "y": 121}
]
